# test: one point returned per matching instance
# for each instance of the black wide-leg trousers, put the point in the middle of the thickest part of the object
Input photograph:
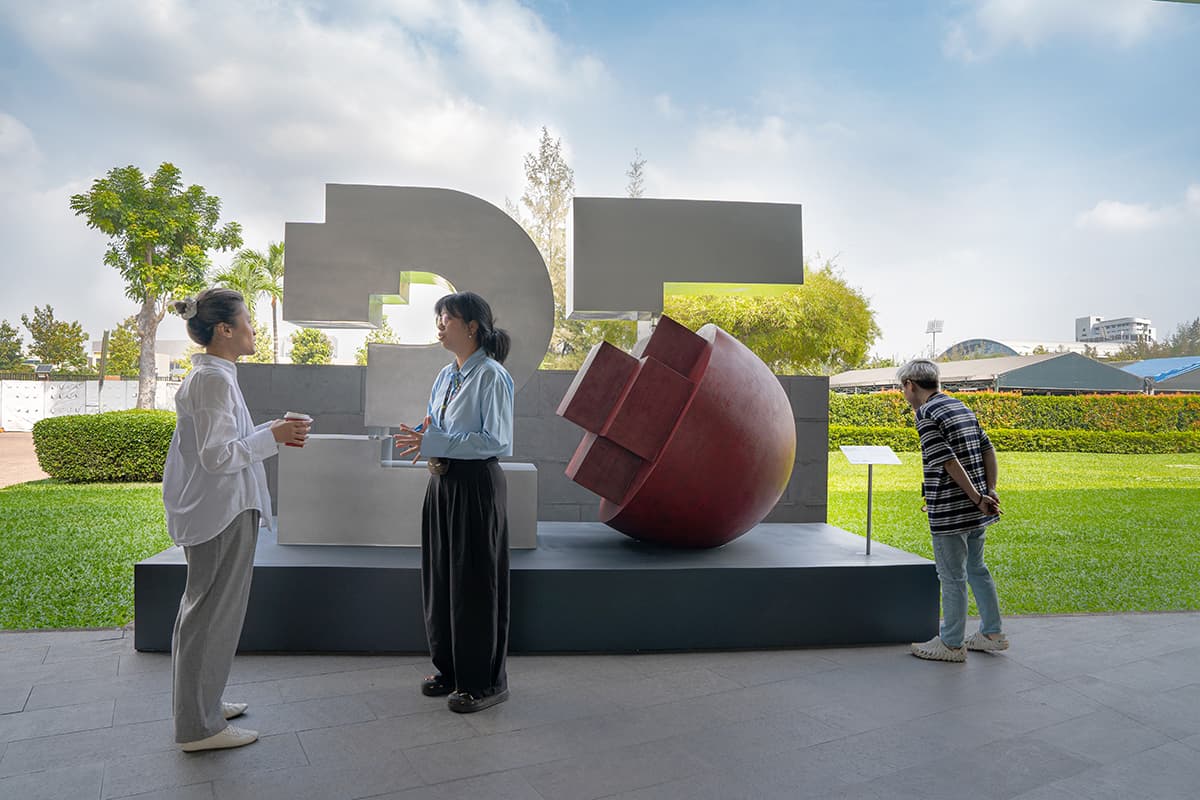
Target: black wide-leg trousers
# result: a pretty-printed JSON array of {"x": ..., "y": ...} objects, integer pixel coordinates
[{"x": 464, "y": 575}]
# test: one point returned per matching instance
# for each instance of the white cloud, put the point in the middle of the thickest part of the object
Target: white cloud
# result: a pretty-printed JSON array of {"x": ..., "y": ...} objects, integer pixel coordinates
[
  {"x": 664, "y": 106},
  {"x": 1113, "y": 215},
  {"x": 1119, "y": 217},
  {"x": 263, "y": 104},
  {"x": 992, "y": 25},
  {"x": 770, "y": 138},
  {"x": 19, "y": 153}
]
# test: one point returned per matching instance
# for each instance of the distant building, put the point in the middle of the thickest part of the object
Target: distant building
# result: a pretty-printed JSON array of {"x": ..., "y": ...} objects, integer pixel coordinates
[
  {"x": 166, "y": 351},
  {"x": 991, "y": 348},
  {"x": 1051, "y": 373},
  {"x": 1128, "y": 330}
]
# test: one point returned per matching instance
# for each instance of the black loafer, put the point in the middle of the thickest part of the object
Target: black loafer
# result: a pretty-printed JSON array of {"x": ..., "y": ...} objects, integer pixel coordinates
[
  {"x": 436, "y": 686},
  {"x": 469, "y": 702}
]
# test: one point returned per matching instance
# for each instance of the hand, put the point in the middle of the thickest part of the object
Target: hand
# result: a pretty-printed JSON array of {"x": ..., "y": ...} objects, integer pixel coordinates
[
  {"x": 410, "y": 439},
  {"x": 989, "y": 504},
  {"x": 291, "y": 432}
]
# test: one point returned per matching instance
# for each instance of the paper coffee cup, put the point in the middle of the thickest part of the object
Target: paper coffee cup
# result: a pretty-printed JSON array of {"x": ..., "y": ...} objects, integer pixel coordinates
[{"x": 300, "y": 416}]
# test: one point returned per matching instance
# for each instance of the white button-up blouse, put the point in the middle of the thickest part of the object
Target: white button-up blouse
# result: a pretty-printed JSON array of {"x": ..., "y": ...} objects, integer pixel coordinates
[{"x": 214, "y": 468}]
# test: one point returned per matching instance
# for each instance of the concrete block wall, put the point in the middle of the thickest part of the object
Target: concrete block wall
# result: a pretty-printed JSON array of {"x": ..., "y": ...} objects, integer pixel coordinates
[{"x": 334, "y": 395}]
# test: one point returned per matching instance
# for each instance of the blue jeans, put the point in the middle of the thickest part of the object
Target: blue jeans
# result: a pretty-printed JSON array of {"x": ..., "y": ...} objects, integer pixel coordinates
[{"x": 959, "y": 560}]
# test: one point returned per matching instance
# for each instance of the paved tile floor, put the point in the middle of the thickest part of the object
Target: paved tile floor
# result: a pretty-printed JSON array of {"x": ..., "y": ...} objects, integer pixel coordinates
[{"x": 1080, "y": 707}]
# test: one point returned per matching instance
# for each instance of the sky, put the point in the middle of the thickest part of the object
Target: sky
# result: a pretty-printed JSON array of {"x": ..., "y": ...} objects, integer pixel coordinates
[{"x": 1003, "y": 165}]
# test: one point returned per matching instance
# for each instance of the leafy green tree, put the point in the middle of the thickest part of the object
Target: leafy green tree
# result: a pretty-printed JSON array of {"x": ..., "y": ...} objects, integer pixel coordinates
[
  {"x": 160, "y": 234},
  {"x": 55, "y": 342},
  {"x": 543, "y": 210},
  {"x": 124, "y": 349},
  {"x": 264, "y": 350},
  {"x": 270, "y": 266},
  {"x": 823, "y": 327},
  {"x": 311, "y": 346},
  {"x": 381, "y": 335},
  {"x": 880, "y": 362},
  {"x": 184, "y": 363},
  {"x": 11, "y": 347}
]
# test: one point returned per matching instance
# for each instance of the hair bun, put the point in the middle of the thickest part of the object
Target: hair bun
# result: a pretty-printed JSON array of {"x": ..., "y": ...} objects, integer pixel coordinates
[{"x": 186, "y": 308}]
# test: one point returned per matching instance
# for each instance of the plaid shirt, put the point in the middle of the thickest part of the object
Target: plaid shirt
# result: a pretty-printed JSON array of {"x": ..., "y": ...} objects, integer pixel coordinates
[{"x": 948, "y": 429}]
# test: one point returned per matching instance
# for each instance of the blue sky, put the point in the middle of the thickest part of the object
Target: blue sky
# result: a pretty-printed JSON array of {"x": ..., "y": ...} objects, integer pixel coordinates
[{"x": 1004, "y": 165}]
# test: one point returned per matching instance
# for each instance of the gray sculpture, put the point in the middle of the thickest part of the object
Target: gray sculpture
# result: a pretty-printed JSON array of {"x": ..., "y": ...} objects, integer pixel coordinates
[
  {"x": 342, "y": 489},
  {"x": 623, "y": 250},
  {"x": 340, "y": 271}
]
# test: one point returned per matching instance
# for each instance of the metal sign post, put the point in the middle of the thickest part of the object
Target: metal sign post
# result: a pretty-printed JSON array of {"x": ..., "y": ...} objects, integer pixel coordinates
[{"x": 869, "y": 455}]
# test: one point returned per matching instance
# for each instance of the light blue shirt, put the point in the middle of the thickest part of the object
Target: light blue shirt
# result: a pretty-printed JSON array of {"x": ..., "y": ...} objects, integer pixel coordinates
[{"x": 478, "y": 423}]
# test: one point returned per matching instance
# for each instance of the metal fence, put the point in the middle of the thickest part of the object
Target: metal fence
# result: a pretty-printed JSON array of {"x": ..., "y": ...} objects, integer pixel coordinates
[{"x": 24, "y": 402}]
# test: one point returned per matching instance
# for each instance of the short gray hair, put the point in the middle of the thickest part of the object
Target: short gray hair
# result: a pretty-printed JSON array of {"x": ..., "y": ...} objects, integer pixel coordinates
[{"x": 921, "y": 371}]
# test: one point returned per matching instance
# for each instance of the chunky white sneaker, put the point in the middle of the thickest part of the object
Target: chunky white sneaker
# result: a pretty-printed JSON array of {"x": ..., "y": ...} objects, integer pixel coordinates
[
  {"x": 231, "y": 710},
  {"x": 935, "y": 650},
  {"x": 230, "y": 737},
  {"x": 979, "y": 641}
]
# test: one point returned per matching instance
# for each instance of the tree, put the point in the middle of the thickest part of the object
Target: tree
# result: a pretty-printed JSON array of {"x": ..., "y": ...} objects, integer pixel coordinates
[
  {"x": 269, "y": 266},
  {"x": 820, "y": 328},
  {"x": 55, "y": 342},
  {"x": 383, "y": 334},
  {"x": 123, "y": 349},
  {"x": 543, "y": 210},
  {"x": 1185, "y": 341},
  {"x": 637, "y": 183},
  {"x": 184, "y": 363},
  {"x": 311, "y": 346},
  {"x": 264, "y": 349},
  {"x": 159, "y": 238},
  {"x": 11, "y": 347},
  {"x": 248, "y": 277}
]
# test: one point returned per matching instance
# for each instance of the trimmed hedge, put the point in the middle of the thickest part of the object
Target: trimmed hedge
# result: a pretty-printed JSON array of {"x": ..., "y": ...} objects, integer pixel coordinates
[
  {"x": 902, "y": 439},
  {"x": 113, "y": 447},
  {"x": 1030, "y": 441},
  {"x": 995, "y": 410}
]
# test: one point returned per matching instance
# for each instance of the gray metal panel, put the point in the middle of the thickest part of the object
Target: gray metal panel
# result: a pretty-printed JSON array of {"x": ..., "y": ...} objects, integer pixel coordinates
[
  {"x": 624, "y": 249},
  {"x": 336, "y": 491},
  {"x": 1070, "y": 372},
  {"x": 371, "y": 235}
]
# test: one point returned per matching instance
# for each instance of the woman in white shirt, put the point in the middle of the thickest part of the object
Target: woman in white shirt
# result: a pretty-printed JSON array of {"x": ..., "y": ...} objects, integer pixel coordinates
[{"x": 215, "y": 495}]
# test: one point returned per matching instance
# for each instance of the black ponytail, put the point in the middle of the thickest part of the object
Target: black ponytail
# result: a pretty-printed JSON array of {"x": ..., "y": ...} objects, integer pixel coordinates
[{"x": 470, "y": 307}]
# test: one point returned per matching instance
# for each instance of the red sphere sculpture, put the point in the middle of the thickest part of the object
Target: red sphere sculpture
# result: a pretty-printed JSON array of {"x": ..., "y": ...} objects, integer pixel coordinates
[{"x": 690, "y": 441}]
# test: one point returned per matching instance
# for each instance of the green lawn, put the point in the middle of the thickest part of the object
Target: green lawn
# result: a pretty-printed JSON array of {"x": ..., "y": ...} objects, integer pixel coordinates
[
  {"x": 1081, "y": 532},
  {"x": 67, "y": 551}
]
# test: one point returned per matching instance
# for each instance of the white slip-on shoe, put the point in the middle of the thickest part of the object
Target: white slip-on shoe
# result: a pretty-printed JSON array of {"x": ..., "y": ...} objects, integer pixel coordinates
[
  {"x": 936, "y": 650},
  {"x": 230, "y": 737},
  {"x": 231, "y": 710},
  {"x": 981, "y": 642}
]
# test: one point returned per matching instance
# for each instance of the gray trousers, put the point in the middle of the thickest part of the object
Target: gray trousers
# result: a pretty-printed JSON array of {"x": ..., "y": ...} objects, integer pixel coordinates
[{"x": 211, "y": 613}]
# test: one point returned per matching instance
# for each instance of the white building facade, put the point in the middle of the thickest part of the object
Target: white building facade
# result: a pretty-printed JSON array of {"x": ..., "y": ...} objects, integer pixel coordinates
[{"x": 1122, "y": 329}]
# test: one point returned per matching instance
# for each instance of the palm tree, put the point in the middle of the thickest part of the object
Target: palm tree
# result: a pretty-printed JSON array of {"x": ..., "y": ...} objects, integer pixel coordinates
[
  {"x": 247, "y": 277},
  {"x": 269, "y": 269}
]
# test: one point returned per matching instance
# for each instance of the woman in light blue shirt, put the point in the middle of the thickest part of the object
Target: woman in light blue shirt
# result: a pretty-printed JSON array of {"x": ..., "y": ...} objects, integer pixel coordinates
[{"x": 464, "y": 523}]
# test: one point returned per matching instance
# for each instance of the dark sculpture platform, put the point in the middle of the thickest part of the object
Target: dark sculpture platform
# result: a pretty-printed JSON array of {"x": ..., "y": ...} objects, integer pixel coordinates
[{"x": 584, "y": 589}]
